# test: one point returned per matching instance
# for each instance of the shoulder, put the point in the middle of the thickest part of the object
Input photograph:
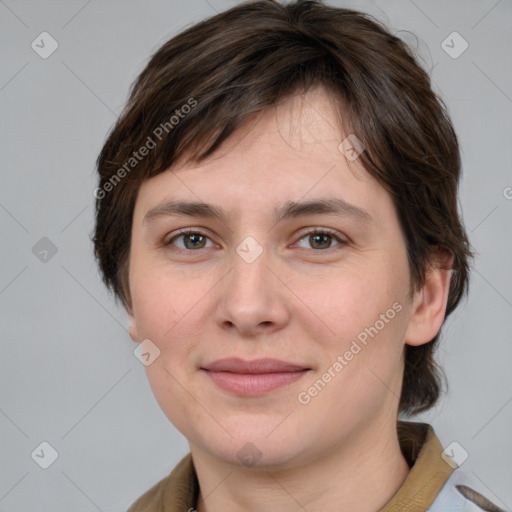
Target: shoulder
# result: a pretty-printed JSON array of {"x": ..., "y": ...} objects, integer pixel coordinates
[
  {"x": 176, "y": 492},
  {"x": 149, "y": 501},
  {"x": 459, "y": 494}
]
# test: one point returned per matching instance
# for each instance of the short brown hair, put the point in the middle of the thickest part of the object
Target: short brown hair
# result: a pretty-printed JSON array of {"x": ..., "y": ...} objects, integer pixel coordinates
[{"x": 246, "y": 60}]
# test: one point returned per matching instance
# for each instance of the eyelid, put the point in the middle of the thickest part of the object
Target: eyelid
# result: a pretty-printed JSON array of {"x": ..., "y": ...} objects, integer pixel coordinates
[
  {"x": 341, "y": 239},
  {"x": 167, "y": 240}
]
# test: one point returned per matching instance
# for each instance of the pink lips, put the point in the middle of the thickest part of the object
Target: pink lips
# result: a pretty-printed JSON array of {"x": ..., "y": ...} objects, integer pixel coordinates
[{"x": 253, "y": 378}]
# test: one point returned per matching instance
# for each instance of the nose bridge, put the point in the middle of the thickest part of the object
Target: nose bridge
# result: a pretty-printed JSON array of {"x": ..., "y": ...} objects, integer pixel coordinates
[
  {"x": 248, "y": 280},
  {"x": 250, "y": 297}
]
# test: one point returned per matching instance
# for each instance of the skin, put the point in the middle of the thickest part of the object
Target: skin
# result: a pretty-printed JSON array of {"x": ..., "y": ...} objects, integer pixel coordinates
[{"x": 302, "y": 300}]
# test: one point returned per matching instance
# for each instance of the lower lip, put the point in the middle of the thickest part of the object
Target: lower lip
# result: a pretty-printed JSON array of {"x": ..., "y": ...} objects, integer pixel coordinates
[{"x": 253, "y": 384}]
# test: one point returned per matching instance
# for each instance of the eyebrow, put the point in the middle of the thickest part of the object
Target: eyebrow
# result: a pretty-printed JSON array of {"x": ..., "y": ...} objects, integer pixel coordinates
[{"x": 291, "y": 209}]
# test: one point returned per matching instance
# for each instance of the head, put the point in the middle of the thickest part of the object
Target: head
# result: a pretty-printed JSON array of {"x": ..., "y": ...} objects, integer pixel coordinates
[{"x": 250, "y": 112}]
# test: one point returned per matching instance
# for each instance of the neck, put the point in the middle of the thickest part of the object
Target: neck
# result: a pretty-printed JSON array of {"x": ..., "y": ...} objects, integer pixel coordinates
[{"x": 362, "y": 474}]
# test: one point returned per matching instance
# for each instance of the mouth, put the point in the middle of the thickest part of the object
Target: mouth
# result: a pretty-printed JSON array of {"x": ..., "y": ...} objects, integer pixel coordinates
[{"x": 253, "y": 378}]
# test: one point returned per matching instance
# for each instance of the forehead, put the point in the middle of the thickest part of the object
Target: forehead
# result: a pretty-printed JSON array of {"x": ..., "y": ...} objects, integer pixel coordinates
[{"x": 290, "y": 153}]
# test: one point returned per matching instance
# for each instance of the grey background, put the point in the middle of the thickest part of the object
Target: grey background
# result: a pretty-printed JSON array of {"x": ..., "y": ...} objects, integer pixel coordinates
[{"x": 68, "y": 374}]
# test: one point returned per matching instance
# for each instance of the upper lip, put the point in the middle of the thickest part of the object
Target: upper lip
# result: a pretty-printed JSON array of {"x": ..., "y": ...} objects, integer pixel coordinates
[{"x": 236, "y": 365}]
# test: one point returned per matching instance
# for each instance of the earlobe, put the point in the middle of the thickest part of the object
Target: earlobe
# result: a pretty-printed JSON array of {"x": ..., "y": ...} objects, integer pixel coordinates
[
  {"x": 133, "y": 325},
  {"x": 129, "y": 310},
  {"x": 429, "y": 304},
  {"x": 133, "y": 329}
]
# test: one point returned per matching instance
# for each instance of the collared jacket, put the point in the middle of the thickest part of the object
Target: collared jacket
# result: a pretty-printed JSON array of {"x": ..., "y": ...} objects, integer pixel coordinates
[{"x": 434, "y": 483}]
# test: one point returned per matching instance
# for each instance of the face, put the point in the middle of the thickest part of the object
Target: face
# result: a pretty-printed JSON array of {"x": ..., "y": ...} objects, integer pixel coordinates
[{"x": 281, "y": 313}]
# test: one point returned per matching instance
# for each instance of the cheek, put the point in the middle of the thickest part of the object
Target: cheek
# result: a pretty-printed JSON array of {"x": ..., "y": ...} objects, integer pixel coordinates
[
  {"x": 362, "y": 359},
  {"x": 351, "y": 298},
  {"x": 160, "y": 301},
  {"x": 169, "y": 311},
  {"x": 164, "y": 313},
  {"x": 365, "y": 311},
  {"x": 154, "y": 308}
]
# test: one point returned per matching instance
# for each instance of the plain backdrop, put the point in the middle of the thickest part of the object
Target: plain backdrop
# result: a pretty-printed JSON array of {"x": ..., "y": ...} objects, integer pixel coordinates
[{"x": 68, "y": 373}]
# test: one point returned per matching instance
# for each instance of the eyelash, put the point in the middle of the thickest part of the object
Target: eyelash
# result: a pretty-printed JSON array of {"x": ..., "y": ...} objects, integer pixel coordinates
[{"x": 316, "y": 231}]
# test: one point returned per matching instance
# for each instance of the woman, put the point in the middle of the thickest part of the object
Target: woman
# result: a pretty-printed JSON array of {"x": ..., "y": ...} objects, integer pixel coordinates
[{"x": 277, "y": 212}]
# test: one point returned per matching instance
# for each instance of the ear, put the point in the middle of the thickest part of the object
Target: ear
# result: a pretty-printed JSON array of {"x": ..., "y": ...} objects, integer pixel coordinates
[
  {"x": 429, "y": 303},
  {"x": 134, "y": 335}
]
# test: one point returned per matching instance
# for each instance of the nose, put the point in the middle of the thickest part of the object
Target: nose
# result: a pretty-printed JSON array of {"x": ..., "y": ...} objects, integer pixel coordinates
[{"x": 253, "y": 299}]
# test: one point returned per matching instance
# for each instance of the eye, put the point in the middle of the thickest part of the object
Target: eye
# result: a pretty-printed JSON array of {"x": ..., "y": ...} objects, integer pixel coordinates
[
  {"x": 321, "y": 239},
  {"x": 189, "y": 240}
]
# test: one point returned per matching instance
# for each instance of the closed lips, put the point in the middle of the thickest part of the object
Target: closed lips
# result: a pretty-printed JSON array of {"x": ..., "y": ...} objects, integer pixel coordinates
[
  {"x": 253, "y": 378},
  {"x": 236, "y": 365}
]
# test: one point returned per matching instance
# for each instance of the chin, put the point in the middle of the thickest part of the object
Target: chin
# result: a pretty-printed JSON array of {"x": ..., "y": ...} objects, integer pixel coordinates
[
  {"x": 254, "y": 445},
  {"x": 259, "y": 455}
]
